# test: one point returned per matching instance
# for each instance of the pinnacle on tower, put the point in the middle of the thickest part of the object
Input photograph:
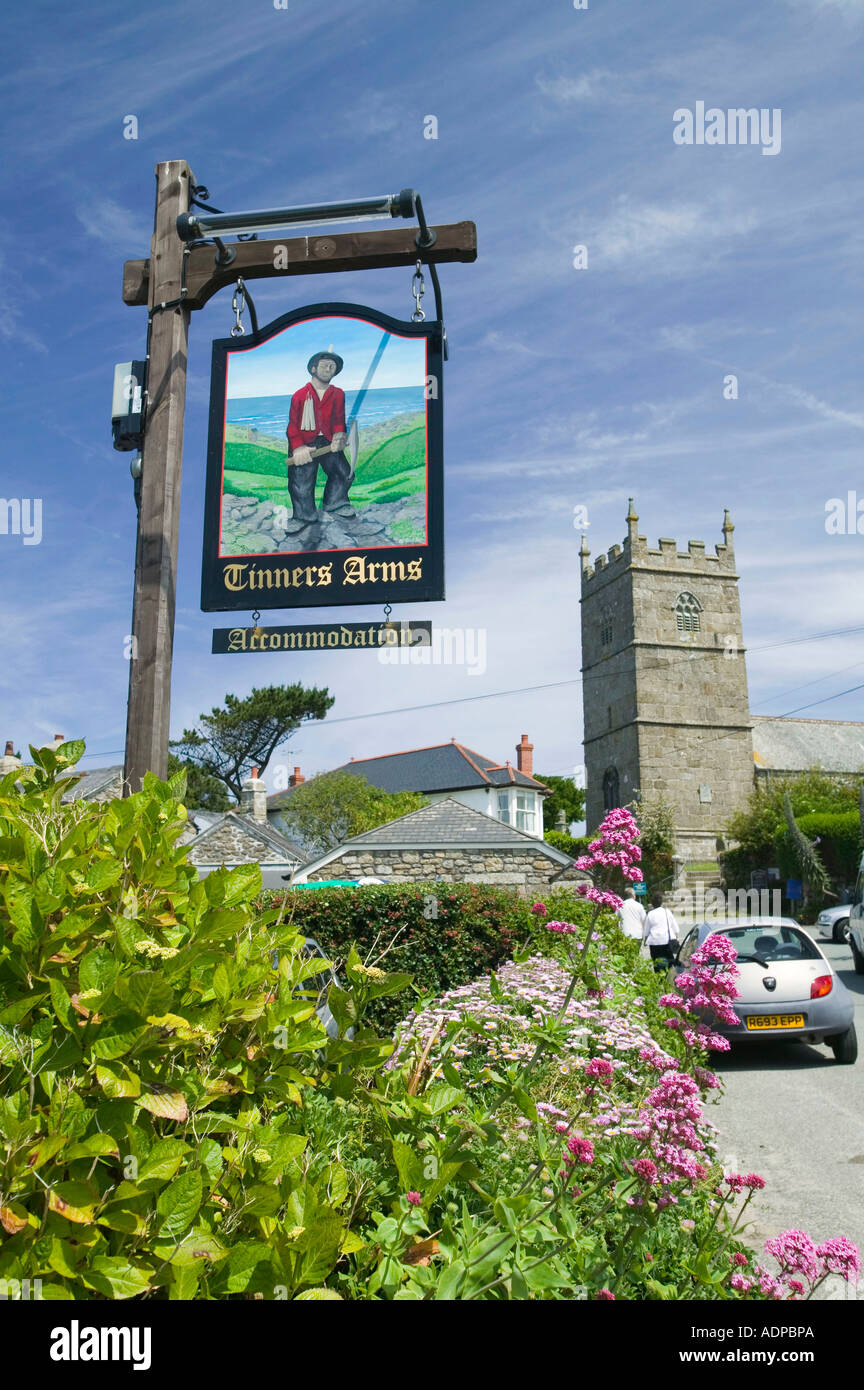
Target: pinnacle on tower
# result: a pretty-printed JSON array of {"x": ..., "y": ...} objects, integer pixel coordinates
[
  {"x": 728, "y": 528},
  {"x": 632, "y": 521},
  {"x": 584, "y": 552}
]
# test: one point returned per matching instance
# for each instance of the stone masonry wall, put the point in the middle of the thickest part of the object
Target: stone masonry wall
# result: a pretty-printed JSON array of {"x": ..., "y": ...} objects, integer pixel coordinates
[
  {"x": 525, "y": 871},
  {"x": 229, "y": 845}
]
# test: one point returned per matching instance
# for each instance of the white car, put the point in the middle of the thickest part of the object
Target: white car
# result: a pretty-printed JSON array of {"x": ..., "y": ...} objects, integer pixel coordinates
[
  {"x": 787, "y": 988},
  {"x": 833, "y": 922}
]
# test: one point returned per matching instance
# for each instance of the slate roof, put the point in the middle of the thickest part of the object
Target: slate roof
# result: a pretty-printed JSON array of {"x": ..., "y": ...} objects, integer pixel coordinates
[
  {"x": 445, "y": 767},
  {"x": 93, "y": 782},
  {"x": 447, "y": 824},
  {"x": 794, "y": 745}
]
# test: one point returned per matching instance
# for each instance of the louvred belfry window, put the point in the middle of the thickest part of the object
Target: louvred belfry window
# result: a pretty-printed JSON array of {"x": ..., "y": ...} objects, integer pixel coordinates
[{"x": 687, "y": 610}]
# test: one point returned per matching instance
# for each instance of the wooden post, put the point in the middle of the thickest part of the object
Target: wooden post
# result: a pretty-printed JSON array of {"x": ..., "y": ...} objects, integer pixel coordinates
[{"x": 149, "y": 708}]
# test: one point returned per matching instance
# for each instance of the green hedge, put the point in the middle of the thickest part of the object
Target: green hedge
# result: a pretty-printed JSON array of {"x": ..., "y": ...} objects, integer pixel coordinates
[
  {"x": 839, "y": 848},
  {"x": 568, "y": 844},
  {"x": 448, "y": 933}
]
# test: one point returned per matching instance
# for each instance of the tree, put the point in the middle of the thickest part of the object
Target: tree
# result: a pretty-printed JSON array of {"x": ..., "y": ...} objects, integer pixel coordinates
[
  {"x": 755, "y": 825},
  {"x": 227, "y": 743},
  {"x": 566, "y": 797},
  {"x": 204, "y": 792},
  {"x": 809, "y": 860},
  {"x": 333, "y": 806},
  {"x": 656, "y": 821}
]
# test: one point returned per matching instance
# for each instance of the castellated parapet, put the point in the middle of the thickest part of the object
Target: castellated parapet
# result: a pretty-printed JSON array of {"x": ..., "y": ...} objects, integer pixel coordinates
[{"x": 665, "y": 683}]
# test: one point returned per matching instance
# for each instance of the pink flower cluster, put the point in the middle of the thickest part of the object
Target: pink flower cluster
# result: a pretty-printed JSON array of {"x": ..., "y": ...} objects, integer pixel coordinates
[
  {"x": 803, "y": 1265},
  {"x": 736, "y": 1182},
  {"x": 614, "y": 848},
  {"x": 579, "y": 1150},
  {"x": 668, "y": 1125},
  {"x": 562, "y": 928},
  {"x": 539, "y": 909},
  {"x": 705, "y": 991},
  {"x": 602, "y": 1070}
]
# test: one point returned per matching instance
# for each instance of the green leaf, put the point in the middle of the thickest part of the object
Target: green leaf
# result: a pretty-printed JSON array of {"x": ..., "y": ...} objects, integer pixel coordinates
[
  {"x": 178, "y": 1204},
  {"x": 441, "y": 1097},
  {"x": 74, "y": 1200},
  {"x": 166, "y": 1104},
  {"x": 97, "y": 970},
  {"x": 164, "y": 1159},
  {"x": 20, "y": 1008},
  {"x": 97, "y": 1146},
  {"x": 25, "y": 917},
  {"x": 103, "y": 874},
  {"x": 494, "y": 987},
  {"x": 116, "y": 1036},
  {"x": 68, "y": 754},
  {"x": 242, "y": 884},
  {"x": 319, "y": 1296},
  {"x": 117, "y": 1081},
  {"x": 250, "y": 1268},
  {"x": 184, "y": 1282},
  {"x": 524, "y": 1103},
  {"x": 147, "y": 993},
  {"x": 62, "y": 1007},
  {"x": 220, "y": 924},
  {"x": 115, "y": 1277}
]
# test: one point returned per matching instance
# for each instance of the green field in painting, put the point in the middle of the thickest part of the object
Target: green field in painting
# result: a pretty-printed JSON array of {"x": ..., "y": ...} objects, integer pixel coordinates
[{"x": 391, "y": 463}]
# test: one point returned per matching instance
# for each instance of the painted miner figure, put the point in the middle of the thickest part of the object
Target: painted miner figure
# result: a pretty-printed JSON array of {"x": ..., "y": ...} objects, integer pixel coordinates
[{"x": 317, "y": 434}]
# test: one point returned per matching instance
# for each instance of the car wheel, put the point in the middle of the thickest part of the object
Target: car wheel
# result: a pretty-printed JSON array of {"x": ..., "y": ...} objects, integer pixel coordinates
[
  {"x": 857, "y": 958},
  {"x": 845, "y": 1045},
  {"x": 839, "y": 934}
]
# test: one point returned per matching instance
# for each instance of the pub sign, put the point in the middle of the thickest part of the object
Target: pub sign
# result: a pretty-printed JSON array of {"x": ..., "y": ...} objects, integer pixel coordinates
[{"x": 325, "y": 463}]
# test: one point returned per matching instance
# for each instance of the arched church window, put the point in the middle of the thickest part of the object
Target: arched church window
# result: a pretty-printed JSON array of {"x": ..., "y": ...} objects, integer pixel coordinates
[
  {"x": 611, "y": 798},
  {"x": 687, "y": 610}
]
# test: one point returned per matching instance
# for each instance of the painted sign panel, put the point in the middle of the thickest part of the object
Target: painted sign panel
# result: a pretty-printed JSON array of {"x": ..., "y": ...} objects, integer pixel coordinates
[
  {"x": 324, "y": 466},
  {"x": 322, "y": 637}
]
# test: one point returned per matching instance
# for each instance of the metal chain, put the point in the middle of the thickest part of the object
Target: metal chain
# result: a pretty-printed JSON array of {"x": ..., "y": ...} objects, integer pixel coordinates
[
  {"x": 418, "y": 289},
  {"x": 238, "y": 304}
]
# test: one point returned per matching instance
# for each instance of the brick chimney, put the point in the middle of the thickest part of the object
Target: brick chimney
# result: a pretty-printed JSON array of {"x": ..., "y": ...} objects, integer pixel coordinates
[
  {"x": 296, "y": 778},
  {"x": 525, "y": 756},
  {"x": 9, "y": 763},
  {"x": 253, "y": 797}
]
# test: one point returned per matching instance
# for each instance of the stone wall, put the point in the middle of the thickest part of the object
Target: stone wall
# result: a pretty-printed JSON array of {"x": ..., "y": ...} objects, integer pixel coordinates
[
  {"x": 526, "y": 871},
  {"x": 229, "y": 844}
]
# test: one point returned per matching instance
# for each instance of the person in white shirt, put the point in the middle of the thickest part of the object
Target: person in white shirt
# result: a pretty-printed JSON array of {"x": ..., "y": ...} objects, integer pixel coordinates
[
  {"x": 631, "y": 915},
  {"x": 659, "y": 932}
]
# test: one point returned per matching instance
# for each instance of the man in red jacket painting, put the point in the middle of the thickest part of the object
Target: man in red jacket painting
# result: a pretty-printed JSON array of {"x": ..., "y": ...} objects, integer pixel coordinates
[{"x": 316, "y": 419}]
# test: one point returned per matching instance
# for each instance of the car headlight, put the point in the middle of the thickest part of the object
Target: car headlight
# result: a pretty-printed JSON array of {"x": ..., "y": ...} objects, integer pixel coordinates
[{"x": 822, "y": 919}]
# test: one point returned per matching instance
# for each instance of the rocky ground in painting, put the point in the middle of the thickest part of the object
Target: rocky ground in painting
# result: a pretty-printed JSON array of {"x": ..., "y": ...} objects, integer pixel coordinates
[{"x": 250, "y": 527}]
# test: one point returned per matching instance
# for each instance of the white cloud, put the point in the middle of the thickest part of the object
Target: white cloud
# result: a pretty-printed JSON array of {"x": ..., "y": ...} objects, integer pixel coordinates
[{"x": 117, "y": 226}]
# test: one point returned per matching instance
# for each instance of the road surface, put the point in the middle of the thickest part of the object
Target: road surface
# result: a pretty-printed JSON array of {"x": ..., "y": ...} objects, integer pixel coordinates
[{"x": 794, "y": 1115}]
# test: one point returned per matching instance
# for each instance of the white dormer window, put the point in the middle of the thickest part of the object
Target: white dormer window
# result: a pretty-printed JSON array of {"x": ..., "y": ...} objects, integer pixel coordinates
[{"x": 504, "y": 807}]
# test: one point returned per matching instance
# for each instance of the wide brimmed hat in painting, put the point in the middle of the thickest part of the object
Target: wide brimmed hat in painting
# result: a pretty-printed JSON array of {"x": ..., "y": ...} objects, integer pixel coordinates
[{"x": 316, "y": 358}]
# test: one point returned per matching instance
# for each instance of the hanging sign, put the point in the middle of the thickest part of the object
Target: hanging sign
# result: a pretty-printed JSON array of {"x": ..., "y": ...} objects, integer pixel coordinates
[
  {"x": 322, "y": 637},
  {"x": 325, "y": 466}
]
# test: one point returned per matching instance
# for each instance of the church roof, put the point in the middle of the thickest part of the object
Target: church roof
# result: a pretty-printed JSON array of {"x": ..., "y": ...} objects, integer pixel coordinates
[{"x": 781, "y": 744}]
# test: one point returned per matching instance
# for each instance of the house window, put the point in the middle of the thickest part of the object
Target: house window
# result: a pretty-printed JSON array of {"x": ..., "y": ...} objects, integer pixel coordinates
[
  {"x": 687, "y": 611},
  {"x": 525, "y": 812},
  {"x": 611, "y": 798},
  {"x": 504, "y": 807}
]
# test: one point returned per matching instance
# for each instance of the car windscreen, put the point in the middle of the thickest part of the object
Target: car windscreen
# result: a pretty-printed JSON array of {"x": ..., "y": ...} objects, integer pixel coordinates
[{"x": 772, "y": 943}]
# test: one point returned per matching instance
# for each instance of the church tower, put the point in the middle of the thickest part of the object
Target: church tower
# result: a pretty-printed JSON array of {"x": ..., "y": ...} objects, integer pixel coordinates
[{"x": 665, "y": 684}]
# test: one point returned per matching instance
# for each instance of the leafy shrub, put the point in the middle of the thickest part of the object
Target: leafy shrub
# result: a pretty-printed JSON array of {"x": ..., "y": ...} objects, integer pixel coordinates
[
  {"x": 839, "y": 836},
  {"x": 153, "y": 1059},
  {"x": 574, "y": 845},
  {"x": 444, "y": 934}
]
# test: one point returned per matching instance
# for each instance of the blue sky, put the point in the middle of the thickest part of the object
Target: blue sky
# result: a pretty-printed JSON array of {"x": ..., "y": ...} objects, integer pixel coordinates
[
  {"x": 566, "y": 387},
  {"x": 279, "y": 366}
]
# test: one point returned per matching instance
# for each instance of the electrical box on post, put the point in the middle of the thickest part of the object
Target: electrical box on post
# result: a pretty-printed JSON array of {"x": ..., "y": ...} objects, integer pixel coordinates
[{"x": 127, "y": 409}]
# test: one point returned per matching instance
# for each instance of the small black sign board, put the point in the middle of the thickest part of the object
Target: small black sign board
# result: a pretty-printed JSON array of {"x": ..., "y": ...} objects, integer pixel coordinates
[{"x": 322, "y": 637}]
